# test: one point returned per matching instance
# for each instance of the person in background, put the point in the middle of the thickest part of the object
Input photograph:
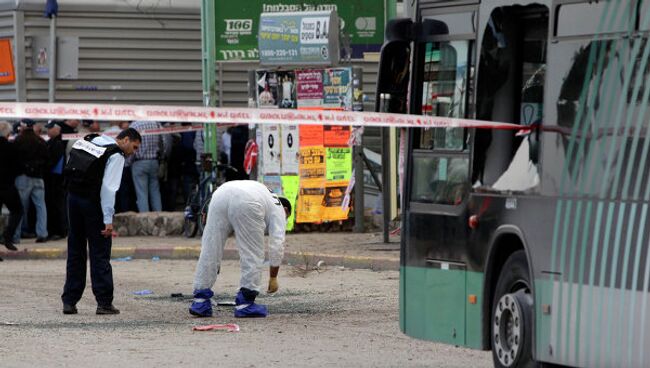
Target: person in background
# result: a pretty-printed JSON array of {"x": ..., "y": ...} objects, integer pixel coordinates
[
  {"x": 33, "y": 155},
  {"x": 91, "y": 126},
  {"x": 125, "y": 196},
  {"x": 54, "y": 191},
  {"x": 8, "y": 194},
  {"x": 145, "y": 167}
]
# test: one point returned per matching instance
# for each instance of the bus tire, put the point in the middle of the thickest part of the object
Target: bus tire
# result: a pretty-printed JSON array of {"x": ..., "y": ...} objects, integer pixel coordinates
[{"x": 512, "y": 315}]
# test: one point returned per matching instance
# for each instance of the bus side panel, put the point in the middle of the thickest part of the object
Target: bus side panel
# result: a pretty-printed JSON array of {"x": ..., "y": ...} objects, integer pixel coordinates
[{"x": 434, "y": 304}]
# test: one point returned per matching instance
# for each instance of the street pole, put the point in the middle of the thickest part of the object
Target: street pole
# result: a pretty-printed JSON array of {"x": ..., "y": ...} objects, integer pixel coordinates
[
  {"x": 208, "y": 50},
  {"x": 52, "y": 61}
]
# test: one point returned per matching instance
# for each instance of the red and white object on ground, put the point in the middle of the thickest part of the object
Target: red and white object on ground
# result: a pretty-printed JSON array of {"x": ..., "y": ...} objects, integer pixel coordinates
[{"x": 229, "y": 327}]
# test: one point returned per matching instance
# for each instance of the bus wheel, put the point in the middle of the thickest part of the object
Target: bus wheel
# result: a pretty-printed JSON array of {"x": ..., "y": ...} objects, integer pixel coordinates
[{"x": 512, "y": 315}]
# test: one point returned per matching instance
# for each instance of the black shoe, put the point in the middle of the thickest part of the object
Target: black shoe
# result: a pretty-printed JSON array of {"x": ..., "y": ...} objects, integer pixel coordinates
[
  {"x": 54, "y": 237},
  {"x": 69, "y": 309},
  {"x": 1, "y": 260},
  {"x": 10, "y": 245},
  {"x": 107, "y": 309},
  {"x": 41, "y": 240}
]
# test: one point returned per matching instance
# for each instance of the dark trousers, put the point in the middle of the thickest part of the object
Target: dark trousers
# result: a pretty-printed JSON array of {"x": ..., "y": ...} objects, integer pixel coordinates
[
  {"x": 85, "y": 239},
  {"x": 55, "y": 204},
  {"x": 10, "y": 198},
  {"x": 125, "y": 196}
]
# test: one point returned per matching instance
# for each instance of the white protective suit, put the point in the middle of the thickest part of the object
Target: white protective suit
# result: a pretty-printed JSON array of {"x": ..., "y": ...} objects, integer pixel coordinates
[{"x": 247, "y": 208}]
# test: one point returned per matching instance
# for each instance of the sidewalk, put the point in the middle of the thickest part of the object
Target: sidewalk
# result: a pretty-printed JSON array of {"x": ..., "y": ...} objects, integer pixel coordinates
[{"x": 306, "y": 249}]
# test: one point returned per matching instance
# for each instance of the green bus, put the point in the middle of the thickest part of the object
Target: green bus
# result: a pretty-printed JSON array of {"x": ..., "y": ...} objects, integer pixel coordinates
[{"x": 532, "y": 243}]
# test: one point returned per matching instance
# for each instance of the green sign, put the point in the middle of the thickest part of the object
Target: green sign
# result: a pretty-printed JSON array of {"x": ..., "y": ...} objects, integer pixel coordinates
[
  {"x": 237, "y": 24},
  {"x": 339, "y": 163}
]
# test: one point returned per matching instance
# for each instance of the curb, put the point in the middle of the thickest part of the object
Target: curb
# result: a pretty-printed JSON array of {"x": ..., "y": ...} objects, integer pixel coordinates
[{"x": 308, "y": 259}]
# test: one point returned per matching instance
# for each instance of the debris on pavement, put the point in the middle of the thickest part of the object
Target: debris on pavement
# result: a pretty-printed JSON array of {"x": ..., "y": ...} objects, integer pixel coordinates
[
  {"x": 123, "y": 259},
  {"x": 143, "y": 292},
  {"x": 230, "y": 327}
]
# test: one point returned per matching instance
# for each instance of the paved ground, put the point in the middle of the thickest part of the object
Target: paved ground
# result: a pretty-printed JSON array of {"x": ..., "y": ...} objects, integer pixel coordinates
[
  {"x": 335, "y": 317},
  {"x": 337, "y": 248}
]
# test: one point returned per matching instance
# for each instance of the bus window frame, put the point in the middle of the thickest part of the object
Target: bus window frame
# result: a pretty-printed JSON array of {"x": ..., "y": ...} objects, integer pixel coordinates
[
  {"x": 415, "y": 107},
  {"x": 438, "y": 208},
  {"x": 554, "y": 19}
]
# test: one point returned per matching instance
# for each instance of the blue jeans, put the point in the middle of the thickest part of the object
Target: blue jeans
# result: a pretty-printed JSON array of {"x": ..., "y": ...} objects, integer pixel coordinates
[
  {"x": 33, "y": 188},
  {"x": 147, "y": 188}
]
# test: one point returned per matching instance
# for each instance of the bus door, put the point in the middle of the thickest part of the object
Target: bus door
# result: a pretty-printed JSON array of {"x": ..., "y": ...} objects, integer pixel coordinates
[{"x": 434, "y": 243}]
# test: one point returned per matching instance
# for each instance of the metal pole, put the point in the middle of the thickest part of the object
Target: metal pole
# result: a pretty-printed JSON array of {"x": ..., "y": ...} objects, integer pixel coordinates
[
  {"x": 52, "y": 61},
  {"x": 359, "y": 205},
  {"x": 386, "y": 184},
  {"x": 391, "y": 9},
  {"x": 208, "y": 50}
]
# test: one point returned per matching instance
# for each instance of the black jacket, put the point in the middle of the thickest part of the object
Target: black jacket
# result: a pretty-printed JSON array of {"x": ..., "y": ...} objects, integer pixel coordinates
[
  {"x": 8, "y": 164},
  {"x": 32, "y": 153},
  {"x": 56, "y": 149}
]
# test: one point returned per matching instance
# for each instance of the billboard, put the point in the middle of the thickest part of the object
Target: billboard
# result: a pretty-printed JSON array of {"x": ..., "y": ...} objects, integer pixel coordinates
[{"x": 237, "y": 24}]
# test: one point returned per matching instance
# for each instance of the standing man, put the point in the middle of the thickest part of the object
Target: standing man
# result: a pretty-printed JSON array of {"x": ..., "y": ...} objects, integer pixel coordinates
[
  {"x": 247, "y": 208},
  {"x": 145, "y": 168},
  {"x": 31, "y": 150},
  {"x": 54, "y": 191},
  {"x": 8, "y": 194},
  {"x": 93, "y": 175}
]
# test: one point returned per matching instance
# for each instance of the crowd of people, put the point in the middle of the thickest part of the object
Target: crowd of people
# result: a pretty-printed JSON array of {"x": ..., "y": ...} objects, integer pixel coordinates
[{"x": 158, "y": 177}]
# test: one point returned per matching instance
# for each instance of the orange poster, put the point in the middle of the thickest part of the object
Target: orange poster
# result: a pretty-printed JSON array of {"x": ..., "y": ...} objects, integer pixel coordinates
[
  {"x": 7, "y": 74},
  {"x": 312, "y": 163},
  {"x": 311, "y": 135},
  {"x": 336, "y": 136}
]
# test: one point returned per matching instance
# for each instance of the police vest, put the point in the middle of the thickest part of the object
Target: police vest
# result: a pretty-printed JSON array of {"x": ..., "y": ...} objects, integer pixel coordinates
[{"x": 84, "y": 171}]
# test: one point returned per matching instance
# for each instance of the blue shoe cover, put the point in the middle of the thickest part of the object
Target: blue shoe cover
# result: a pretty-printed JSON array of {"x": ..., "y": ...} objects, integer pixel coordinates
[
  {"x": 239, "y": 299},
  {"x": 202, "y": 305},
  {"x": 251, "y": 310}
]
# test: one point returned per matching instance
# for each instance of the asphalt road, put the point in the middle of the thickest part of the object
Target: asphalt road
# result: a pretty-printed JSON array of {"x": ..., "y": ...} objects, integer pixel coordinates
[{"x": 333, "y": 317}]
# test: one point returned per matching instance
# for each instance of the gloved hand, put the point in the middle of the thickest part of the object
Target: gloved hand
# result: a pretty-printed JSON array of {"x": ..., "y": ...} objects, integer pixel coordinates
[{"x": 273, "y": 285}]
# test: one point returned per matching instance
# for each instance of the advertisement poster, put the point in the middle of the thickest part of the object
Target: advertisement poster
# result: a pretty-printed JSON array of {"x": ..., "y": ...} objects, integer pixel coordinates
[
  {"x": 337, "y": 88},
  {"x": 290, "y": 186},
  {"x": 309, "y": 84},
  {"x": 7, "y": 73},
  {"x": 338, "y": 163},
  {"x": 309, "y": 206},
  {"x": 333, "y": 209},
  {"x": 237, "y": 24},
  {"x": 290, "y": 149},
  {"x": 308, "y": 38},
  {"x": 271, "y": 144},
  {"x": 274, "y": 183},
  {"x": 311, "y": 135},
  {"x": 336, "y": 136},
  {"x": 267, "y": 89},
  {"x": 286, "y": 89},
  {"x": 312, "y": 163}
]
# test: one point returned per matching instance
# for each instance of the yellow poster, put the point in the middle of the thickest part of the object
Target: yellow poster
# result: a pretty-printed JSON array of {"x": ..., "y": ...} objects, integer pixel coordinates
[
  {"x": 312, "y": 185},
  {"x": 333, "y": 209},
  {"x": 309, "y": 207}
]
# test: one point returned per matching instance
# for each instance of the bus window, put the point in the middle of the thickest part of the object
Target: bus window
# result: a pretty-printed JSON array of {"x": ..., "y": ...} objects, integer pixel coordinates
[
  {"x": 510, "y": 88},
  {"x": 644, "y": 23},
  {"x": 444, "y": 92},
  {"x": 457, "y": 23},
  {"x": 439, "y": 180},
  {"x": 592, "y": 18}
]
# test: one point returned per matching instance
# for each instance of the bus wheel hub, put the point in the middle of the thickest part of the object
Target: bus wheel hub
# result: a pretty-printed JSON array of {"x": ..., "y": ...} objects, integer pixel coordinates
[{"x": 507, "y": 330}]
